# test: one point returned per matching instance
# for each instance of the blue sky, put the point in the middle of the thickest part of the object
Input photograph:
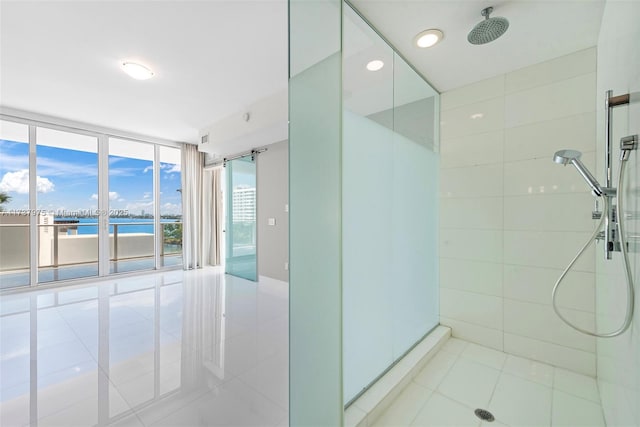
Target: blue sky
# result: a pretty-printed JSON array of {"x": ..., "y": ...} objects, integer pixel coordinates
[{"x": 68, "y": 180}]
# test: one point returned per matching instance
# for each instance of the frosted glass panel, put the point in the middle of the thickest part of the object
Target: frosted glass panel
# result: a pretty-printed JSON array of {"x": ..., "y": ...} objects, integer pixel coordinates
[
  {"x": 389, "y": 169},
  {"x": 367, "y": 185},
  {"x": 315, "y": 310},
  {"x": 415, "y": 303}
]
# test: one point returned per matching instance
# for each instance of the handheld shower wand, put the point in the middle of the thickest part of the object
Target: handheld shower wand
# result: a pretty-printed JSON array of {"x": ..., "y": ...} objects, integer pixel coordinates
[{"x": 564, "y": 157}]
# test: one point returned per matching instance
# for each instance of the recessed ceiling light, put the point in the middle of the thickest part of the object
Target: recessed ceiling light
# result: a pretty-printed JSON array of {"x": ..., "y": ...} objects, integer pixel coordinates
[
  {"x": 375, "y": 65},
  {"x": 137, "y": 71},
  {"x": 428, "y": 38}
]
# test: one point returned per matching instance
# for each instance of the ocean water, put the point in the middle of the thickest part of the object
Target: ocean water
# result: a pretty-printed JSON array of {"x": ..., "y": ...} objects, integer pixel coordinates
[{"x": 134, "y": 225}]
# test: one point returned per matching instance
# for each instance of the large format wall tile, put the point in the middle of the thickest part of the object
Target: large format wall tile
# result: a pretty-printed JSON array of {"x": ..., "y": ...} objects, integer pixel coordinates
[
  {"x": 473, "y": 93},
  {"x": 473, "y": 276},
  {"x": 477, "y": 181},
  {"x": 477, "y": 149},
  {"x": 543, "y": 139},
  {"x": 482, "y": 213},
  {"x": 472, "y": 119},
  {"x": 562, "y": 68},
  {"x": 477, "y": 309},
  {"x": 564, "y": 98},
  {"x": 511, "y": 219}
]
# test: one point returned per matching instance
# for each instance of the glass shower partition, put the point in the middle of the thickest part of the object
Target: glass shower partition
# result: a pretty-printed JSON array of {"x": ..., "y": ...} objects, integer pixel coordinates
[
  {"x": 363, "y": 168},
  {"x": 241, "y": 230},
  {"x": 389, "y": 211}
]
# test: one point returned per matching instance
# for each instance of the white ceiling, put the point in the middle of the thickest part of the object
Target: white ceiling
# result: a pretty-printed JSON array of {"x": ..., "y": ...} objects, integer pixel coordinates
[
  {"x": 539, "y": 30},
  {"x": 214, "y": 58},
  {"x": 211, "y": 58}
]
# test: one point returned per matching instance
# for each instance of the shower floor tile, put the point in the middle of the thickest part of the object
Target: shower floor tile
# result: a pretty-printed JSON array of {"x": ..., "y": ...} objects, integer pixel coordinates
[{"x": 517, "y": 391}]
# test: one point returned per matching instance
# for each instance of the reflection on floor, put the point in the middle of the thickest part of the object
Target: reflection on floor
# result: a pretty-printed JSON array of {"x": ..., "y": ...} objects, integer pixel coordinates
[
  {"x": 76, "y": 271},
  {"x": 194, "y": 348},
  {"x": 518, "y": 392}
]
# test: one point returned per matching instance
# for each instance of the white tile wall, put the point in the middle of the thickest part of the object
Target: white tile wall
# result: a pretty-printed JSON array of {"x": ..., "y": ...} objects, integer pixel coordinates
[
  {"x": 478, "y": 149},
  {"x": 473, "y": 119},
  {"x": 580, "y": 361},
  {"x": 471, "y": 276},
  {"x": 483, "y": 245},
  {"x": 484, "y": 213},
  {"x": 548, "y": 72},
  {"x": 475, "y": 333},
  {"x": 477, "y": 309},
  {"x": 619, "y": 358},
  {"x": 552, "y": 101},
  {"x": 511, "y": 218},
  {"x": 552, "y": 249},
  {"x": 542, "y": 139},
  {"x": 472, "y": 182},
  {"x": 543, "y": 176},
  {"x": 473, "y": 93},
  {"x": 534, "y": 284}
]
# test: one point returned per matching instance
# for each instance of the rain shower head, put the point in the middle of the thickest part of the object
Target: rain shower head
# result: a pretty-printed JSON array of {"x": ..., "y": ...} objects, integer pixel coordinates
[
  {"x": 489, "y": 29},
  {"x": 564, "y": 157}
]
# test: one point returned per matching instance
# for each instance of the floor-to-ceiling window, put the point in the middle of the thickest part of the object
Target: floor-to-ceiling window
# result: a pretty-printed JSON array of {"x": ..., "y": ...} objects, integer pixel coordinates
[
  {"x": 14, "y": 204},
  {"x": 131, "y": 198},
  {"x": 67, "y": 198},
  {"x": 76, "y": 203},
  {"x": 170, "y": 206}
]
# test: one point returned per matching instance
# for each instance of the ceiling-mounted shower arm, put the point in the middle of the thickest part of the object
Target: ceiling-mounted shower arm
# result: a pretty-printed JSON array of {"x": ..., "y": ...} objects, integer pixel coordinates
[{"x": 486, "y": 12}]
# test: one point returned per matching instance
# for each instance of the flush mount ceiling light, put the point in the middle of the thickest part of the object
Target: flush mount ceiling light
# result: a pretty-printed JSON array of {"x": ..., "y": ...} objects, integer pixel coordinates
[
  {"x": 428, "y": 38},
  {"x": 375, "y": 65},
  {"x": 136, "y": 71}
]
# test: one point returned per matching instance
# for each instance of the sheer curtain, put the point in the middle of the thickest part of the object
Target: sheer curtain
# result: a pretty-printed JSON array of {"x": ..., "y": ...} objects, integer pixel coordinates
[
  {"x": 192, "y": 176},
  {"x": 212, "y": 199}
]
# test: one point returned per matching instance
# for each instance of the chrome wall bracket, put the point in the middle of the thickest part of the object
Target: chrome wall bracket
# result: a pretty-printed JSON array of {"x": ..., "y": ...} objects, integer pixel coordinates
[{"x": 610, "y": 234}]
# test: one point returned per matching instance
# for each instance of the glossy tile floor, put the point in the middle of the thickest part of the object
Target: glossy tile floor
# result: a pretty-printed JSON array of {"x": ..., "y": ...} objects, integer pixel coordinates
[
  {"x": 518, "y": 392},
  {"x": 194, "y": 348}
]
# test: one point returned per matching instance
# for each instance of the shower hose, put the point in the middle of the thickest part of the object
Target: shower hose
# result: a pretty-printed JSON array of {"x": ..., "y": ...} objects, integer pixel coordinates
[{"x": 625, "y": 258}]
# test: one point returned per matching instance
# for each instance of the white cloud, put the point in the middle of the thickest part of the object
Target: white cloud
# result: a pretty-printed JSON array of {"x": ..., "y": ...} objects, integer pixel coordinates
[
  {"x": 171, "y": 209},
  {"x": 171, "y": 168},
  {"x": 18, "y": 182},
  {"x": 112, "y": 196},
  {"x": 147, "y": 169},
  {"x": 147, "y": 195},
  {"x": 54, "y": 167},
  {"x": 137, "y": 207}
]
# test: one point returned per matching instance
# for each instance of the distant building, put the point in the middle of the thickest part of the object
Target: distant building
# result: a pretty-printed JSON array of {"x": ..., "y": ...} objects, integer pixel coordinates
[{"x": 244, "y": 204}]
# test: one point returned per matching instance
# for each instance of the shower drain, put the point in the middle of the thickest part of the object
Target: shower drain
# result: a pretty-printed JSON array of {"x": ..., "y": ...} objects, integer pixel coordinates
[{"x": 484, "y": 415}]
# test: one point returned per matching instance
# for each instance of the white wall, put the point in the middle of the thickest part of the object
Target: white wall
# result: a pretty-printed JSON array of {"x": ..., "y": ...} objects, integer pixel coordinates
[
  {"x": 511, "y": 219},
  {"x": 619, "y": 358}
]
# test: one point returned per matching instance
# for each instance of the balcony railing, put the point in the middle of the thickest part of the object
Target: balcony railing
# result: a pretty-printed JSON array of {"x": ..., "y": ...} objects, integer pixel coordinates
[{"x": 61, "y": 244}]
